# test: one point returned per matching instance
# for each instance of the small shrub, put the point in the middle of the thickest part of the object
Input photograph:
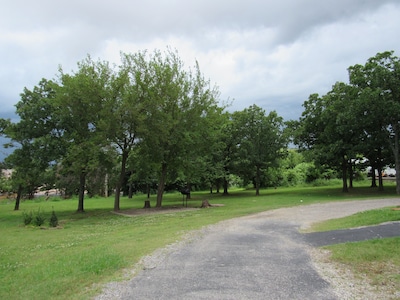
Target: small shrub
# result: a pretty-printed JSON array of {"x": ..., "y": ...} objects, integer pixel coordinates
[
  {"x": 53, "y": 220},
  {"x": 27, "y": 218},
  {"x": 39, "y": 218}
]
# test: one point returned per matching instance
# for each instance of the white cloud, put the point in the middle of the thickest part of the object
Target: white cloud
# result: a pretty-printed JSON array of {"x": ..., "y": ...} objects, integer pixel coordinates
[{"x": 271, "y": 53}]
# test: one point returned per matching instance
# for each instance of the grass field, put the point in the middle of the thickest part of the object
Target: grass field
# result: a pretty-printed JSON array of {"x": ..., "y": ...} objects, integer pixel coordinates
[{"x": 88, "y": 249}]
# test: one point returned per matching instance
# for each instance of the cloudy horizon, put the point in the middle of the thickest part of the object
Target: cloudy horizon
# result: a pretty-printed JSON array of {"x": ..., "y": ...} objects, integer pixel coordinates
[{"x": 269, "y": 53}]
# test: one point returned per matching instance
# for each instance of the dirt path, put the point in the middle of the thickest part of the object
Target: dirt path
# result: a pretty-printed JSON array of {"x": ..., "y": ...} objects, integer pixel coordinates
[{"x": 262, "y": 256}]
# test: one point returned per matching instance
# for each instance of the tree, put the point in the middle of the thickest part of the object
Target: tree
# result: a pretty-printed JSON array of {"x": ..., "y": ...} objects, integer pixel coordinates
[
  {"x": 216, "y": 157},
  {"x": 79, "y": 103},
  {"x": 261, "y": 142},
  {"x": 373, "y": 143},
  {"x": 125, "y": 111},
  {"x": 327, "y": 126},
  {"x": 180, "y": 101},
  {"x": 35, "y": 138},
  {"x": 380, "y": 77}
]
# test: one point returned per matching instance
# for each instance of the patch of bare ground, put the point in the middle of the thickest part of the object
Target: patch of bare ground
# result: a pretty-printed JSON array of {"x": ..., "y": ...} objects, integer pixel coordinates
[{"x": 159, "y": 210}]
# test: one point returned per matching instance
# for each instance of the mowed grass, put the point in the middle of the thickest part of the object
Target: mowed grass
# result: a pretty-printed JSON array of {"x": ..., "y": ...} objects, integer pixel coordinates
[
  {"x": 89, "y": 249},
  {"x": 364, "y": 218},
  {"x": 377, "y": 260}
]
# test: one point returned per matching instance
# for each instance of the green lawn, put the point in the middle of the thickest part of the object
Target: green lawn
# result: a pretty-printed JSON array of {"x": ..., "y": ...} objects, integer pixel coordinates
[
  {"x": 378, "y": 259},
  {"x": 92, "y": 248}
]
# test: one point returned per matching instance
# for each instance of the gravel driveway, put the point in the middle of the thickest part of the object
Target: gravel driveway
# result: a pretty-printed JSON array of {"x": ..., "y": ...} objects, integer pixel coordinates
[{"x": 262, "y": 256}]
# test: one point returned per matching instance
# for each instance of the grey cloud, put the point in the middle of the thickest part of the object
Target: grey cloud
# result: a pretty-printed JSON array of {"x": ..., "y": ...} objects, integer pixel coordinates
[
  {"x": 257, "y": 51},
  {"x": 124, "y": 18}
]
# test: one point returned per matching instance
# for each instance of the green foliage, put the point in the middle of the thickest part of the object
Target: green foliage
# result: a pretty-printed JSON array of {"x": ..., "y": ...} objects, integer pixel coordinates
[
  {"x": 39, "y": 218},
  {"x": 27, "y": 217},
  {"x": 53, "y": 222},
  {"x": 157, "y": 120},
  {"x": 296, "y": 170},
  {"x": 5, "y": 185},
  {"x": 356, "y": 119},
  {"x": 260, "y": 143}
]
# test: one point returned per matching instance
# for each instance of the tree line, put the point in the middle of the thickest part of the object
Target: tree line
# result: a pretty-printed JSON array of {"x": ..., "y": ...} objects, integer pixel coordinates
[
  {"x": 356, "y": 121},
  {"x": 150, "y": 123},
  {"x": 146, "y": 120}
]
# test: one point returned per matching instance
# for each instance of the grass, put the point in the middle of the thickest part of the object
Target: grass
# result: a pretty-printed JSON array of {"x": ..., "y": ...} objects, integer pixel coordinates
[
  {"x": 365, "y": 218},
  {"x": 72, "y": 261},
  {"x": 378, "y": 260}
]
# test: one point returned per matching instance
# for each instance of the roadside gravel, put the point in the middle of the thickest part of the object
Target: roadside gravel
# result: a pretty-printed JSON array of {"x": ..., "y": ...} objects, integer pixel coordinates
[{"x": 282, "y": 225}]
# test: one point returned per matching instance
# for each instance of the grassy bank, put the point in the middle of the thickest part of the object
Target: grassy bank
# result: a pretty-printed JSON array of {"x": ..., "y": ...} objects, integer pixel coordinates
[
  {"x": 377, "y": 260},
  {"x": 94, "y": 247}
]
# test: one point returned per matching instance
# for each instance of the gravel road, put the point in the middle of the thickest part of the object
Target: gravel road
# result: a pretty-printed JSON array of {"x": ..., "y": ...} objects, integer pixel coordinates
[{"x": 262, "y": 256}]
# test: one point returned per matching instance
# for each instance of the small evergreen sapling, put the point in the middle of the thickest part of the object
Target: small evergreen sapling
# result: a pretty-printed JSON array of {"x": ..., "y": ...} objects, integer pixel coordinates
[
  {"x": 39, "y": 218},
  {"x": 53, "y": 219},
  {"x": 27, "y": 218}
]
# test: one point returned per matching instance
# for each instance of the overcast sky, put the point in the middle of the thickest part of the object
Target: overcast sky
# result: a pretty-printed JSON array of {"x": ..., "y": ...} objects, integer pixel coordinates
[{"x": 270, "y": 53}]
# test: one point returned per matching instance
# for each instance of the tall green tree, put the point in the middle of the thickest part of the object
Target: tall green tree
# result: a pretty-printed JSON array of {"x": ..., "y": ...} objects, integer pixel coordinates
[
  {"x": 125, "y": 112},
  {"x": 381, "y": 76},
  {"x": 327, "y": 127},
  {"x": 80, "y": 100},
  {"x": 216, "y": 160},
  {"x": 35, "y": 137},
  {"x": 180, "y": 102},
  {"x": 261, "y": 142},
  {"x": 373, "y": 143}
]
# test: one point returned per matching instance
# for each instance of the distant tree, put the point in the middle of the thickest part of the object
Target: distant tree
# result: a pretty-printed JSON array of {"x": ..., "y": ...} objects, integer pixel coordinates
[
  {"x": 230, "y": 138},
  {"x": 327, "y": 127},
  {"x": 215, "y": 160},
  {"x": 261, "y": 142}
]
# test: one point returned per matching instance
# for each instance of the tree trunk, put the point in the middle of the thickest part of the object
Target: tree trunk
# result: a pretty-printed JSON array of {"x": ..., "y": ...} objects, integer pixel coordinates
[
  {"x": 373, "y": 177},
  {"x": 205, "y": 204},
  {"x": 189, "y": 188},
  {"x": 344, "y": 175},
  {"x": 225, "y": 184},
  {"x": 18, "y": 199},
  {"x": 130, "y": 191},
  {"x": 82, "y": 184},
  {"x": 258, "y": 175},
  {"x": 161, "y": 184},
  {"x": 120, "y": 181},
  {"x": 148, "y": 190},
  {"x": 106, "y": 186},
  {"x": 380, "y": 179},
  {"x": 396, "y": 157},
  {"x": 351, "y": 174}
]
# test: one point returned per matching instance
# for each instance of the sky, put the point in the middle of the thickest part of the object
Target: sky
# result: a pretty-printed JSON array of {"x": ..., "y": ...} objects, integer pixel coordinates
[{"x": 270, "y": 53}]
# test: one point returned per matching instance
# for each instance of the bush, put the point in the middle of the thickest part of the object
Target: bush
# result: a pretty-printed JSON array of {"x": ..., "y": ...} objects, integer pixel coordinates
[
  {"x": 39, "y": 218},
  {"x": 326, "y": 182},
  {"x": 53, "y": 220},
  {"x": 27, "y": 218}
]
